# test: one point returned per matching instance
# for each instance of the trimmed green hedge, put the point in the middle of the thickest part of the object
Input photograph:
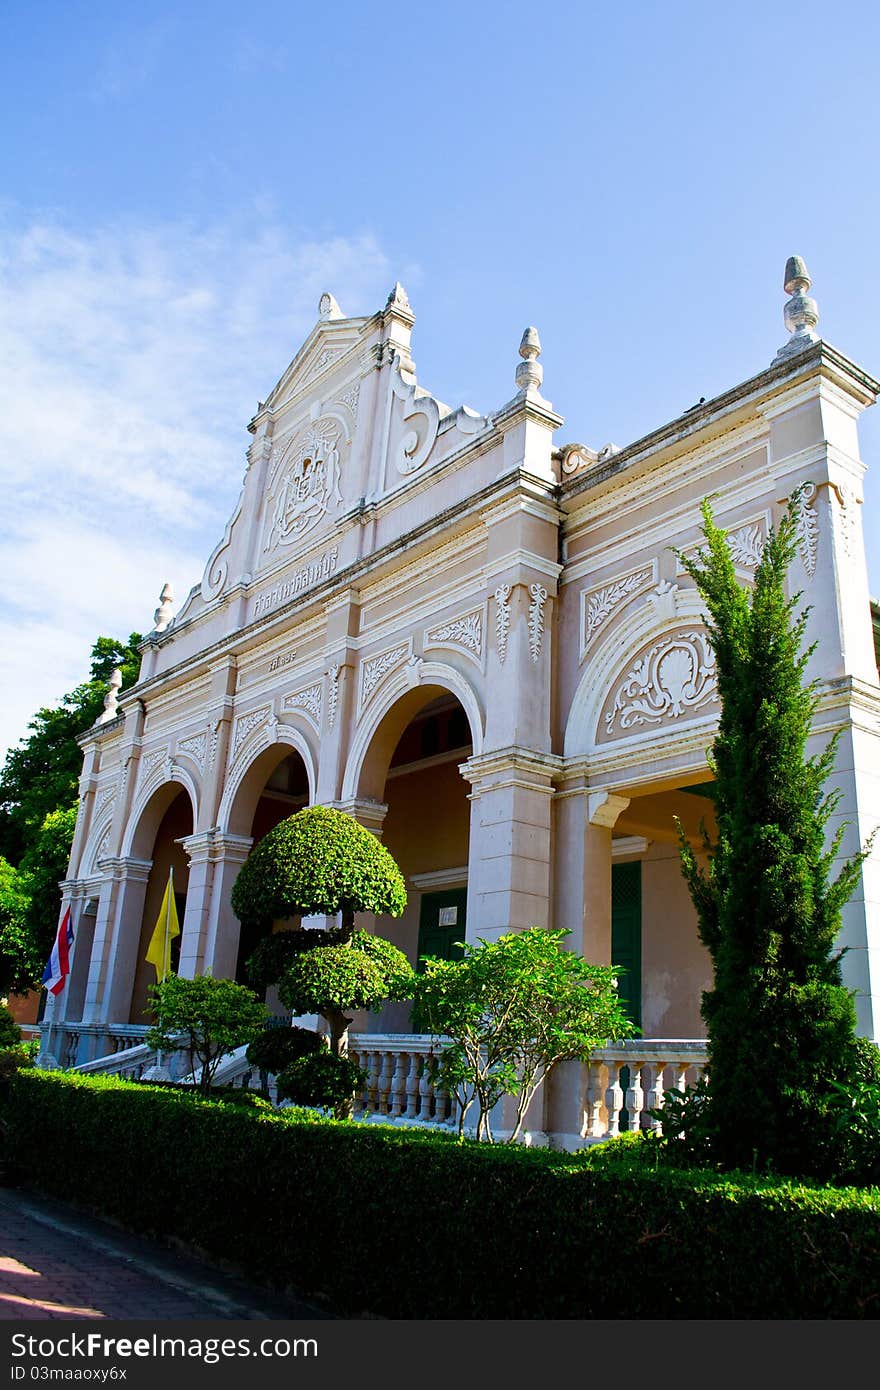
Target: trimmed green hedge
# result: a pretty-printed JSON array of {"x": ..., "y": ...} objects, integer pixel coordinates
[{"x": 406, "y": 1225}]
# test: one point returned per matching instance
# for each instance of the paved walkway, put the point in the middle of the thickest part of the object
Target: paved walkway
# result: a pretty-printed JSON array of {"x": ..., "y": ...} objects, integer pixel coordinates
[{"x": 55, "y": 1263}]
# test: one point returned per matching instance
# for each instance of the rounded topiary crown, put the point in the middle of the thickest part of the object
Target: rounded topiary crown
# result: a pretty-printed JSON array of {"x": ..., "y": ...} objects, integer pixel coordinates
[{"x": 318, "y": 861}]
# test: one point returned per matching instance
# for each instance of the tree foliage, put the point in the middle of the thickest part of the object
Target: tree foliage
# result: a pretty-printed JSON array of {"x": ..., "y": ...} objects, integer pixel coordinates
[
  {"x": 214, "y": 1017},
  {"x": 38, "y": 804},
  {"x": 41, "y": 774},
  {"x": 508, "y": 1013},
  {"x": 780, "y": 1022}
]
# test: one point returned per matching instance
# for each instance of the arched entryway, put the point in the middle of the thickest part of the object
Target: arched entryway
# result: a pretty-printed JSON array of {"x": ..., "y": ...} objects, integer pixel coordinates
[
  {"x": 166, "y": 820},
  {"x": 411, "y": 766},
  {"x": 276, "y": 785}
]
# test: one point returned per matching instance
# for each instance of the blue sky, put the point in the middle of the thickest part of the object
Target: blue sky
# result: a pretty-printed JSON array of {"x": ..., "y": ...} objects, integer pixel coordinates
[{"x": 180, "y": 182}]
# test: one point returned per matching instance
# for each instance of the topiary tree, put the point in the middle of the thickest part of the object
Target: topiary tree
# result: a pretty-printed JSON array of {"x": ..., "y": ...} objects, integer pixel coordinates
[
  {"x": 318, "y": 861},
  {"x": 357, "y": 974},
  {"x": 780, "y": 1022},
  {"x": 323, "y": 861}
]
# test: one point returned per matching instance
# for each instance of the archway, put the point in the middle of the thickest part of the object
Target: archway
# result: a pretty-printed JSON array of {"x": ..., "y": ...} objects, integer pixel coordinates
[
  {"x": 412, "y": 766},
  {"x": 166, "y": 819},
  {"x": 276, "y": 785}
]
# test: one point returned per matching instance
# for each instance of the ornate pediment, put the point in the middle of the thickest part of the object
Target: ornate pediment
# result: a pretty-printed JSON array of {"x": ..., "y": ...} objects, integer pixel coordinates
[{"x": 324, "y": 348}]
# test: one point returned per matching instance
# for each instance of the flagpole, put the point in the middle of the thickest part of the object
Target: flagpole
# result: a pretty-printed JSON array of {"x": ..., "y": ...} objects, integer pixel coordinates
[{"x": 165, "y": 960}]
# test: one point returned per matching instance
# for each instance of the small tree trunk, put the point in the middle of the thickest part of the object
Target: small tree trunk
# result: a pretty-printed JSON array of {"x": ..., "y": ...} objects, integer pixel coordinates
[{"x": 339, "y": 1026}]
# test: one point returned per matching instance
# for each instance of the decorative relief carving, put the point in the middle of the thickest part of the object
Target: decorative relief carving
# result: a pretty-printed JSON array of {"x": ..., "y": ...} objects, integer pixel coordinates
[
  {"x": 674, "y": 678},
  {"x": 150, "y": 761},
  {"x": 502, "y": 620},
  {"x": 378, "y": 667},
  {"x": 101, "y": 847},
  {"x": 536, "y": 618},
  {"x": 849, "y": 518},
  {"x": 422, "y": 413},
  {"x": 245, "y": 725},
  {"x": 333, "y": 694},
  {"x": 600, "y": 604},
  {"x": 808, "y": 528},
  {"x": 350, "y": 397},
  {"x": 215, "y": 734},
  {"x": 306, "y": 483},
  {"x": 310, "y": 700},
  {"x": 466, "y": 631},
  {"x": 746, "y": 540},
  {"x": 217, "y": 569},
  {"x": 323, "y": 360},
  {"x": 196, "y": 747},
  {"x": 104, "y": 800},
  {"x": 746, "y": 545}
]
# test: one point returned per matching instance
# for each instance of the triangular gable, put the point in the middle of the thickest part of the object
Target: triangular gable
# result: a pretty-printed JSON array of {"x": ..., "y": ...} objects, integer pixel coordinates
[{"x": 325, "y": 346}]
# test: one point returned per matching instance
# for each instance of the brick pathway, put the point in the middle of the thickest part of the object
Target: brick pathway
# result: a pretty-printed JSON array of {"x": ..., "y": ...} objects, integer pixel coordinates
[{"x": 55, "y": 1263}]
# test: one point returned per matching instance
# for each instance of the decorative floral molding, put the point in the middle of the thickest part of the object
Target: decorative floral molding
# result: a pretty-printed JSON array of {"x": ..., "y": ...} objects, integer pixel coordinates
[
  {"x": 849, "y": 517},
  {"x": 350, "y": 398},
  {"x": 333, "y": 694},
  {"x": 598, "y": 605},
  {"x": 108, "y": 796},
  {"x": 536, "y": 618},
  {"x": 746, "y": 540},
  {"x": 245, "y": 725},
  {"x": 502, "y": 620},
  {"x": 215, "y": 733},
  {"x": 422, "y": 413},
  {"x": 674, "y": 678},
  {"x": 195, "y": 747},
  {"x": 150, "y": 761},
  {"x": 377, "y": 668},
  {"x": 808, "y": 528},
  {"x": 310, "y": 701},
  {"x": 466, "y": 631}
]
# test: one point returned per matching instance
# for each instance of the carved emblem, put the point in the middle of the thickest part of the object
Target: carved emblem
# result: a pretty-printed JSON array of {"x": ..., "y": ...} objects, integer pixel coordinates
[
  {"x": 150, "y": 761},
  {"x": 307, "y": 486},
  {"x": 674, "y": 678}
]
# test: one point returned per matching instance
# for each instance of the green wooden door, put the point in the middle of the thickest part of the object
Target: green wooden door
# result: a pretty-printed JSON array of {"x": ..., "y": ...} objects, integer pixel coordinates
[
  {"x": 626, "y": 935},
  {"x": 626, "y": 948},
  {"x": 442, "y": 924}
]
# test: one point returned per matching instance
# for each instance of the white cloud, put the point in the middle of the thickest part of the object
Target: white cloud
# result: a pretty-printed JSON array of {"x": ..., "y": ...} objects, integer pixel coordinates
[{"x": 131, "y": 359}]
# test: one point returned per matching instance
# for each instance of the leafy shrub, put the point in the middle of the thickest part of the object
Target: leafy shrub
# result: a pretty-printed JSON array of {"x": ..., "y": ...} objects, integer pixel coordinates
[
  {"x": 369, "y": 1223},
  {"x": 276, "y": 1048},
  {"x": 321, "y": 1079},
  {"x": 277, "y": 952},
  {"x": 12, "y": 1059},
  {"x": 214, "y": 1017}
]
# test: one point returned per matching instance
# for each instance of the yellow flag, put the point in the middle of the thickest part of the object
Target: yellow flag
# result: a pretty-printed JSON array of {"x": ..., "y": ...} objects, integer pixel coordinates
[{"x": 167, "y": 927}]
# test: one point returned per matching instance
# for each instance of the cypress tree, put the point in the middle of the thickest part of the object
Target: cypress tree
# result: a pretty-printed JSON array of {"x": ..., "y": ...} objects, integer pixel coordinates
[{"x": 780, "y": 1022}]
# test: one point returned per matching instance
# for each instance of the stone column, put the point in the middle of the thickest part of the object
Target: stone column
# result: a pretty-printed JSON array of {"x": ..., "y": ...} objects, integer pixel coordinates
[
  {"x": 116, "y": 940},
  {"x": 193, "y": 929},
  {"x": 220, "y": 928},
  {"x": 509, "y": 852},
  {"x": 594, "y": 813}
]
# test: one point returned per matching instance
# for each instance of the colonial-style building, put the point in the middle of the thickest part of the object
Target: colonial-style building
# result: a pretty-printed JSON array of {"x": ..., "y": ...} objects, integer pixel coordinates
[{"x": 478, "y": 640}]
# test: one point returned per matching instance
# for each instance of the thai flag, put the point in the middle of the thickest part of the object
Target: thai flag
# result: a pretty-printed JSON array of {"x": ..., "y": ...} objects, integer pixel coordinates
[{"x": 58, "y": 967}]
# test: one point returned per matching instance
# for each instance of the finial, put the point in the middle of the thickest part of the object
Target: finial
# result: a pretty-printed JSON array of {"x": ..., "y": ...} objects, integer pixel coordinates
[
  {"x": 162, "y": 615},
  {"x": 398, "y": 298},
  {"x": 801, "y": 313},
  {"x": 529, "y": 372},
  {"x": 328, "y": 308},
  {"x": 111, "y": 708}
]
